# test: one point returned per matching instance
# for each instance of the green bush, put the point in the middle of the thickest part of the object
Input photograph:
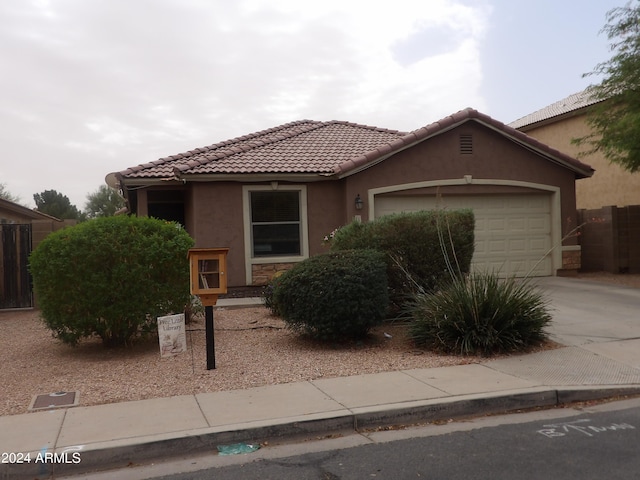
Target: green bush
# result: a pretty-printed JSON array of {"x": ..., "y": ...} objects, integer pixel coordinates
[
  {"x": 111, "y": 277},
  {"x": 422, "y": 248},
  {"x": 268, "y": 292},
  {"x": 335, "y": 296},
  {"x": 481, "y": 314}
]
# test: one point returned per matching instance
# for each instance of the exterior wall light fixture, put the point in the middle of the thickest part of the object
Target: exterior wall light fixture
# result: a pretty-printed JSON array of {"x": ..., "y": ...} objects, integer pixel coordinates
[{"x": 359, "y": 203}]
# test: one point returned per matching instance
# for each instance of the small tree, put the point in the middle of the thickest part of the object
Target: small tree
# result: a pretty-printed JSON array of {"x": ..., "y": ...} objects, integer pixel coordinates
[
  {"x": 616, "y": 118},
  {"x": 111, "y": 277},
  {"x": 104, "y": 202}
]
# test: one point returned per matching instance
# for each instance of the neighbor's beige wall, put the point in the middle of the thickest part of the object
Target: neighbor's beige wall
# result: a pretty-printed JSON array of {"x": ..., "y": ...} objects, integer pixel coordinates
[{"x": 609, "y": 185}]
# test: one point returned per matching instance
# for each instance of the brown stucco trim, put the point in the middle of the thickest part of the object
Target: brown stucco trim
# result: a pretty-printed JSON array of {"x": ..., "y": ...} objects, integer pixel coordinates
[{"x": 374, "y": 157}]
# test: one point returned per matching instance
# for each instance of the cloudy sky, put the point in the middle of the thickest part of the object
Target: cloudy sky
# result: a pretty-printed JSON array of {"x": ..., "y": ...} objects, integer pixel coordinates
[{"x": 95, "y": 86}]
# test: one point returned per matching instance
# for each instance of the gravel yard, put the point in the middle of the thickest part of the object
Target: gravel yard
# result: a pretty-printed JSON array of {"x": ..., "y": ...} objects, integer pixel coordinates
[{"x": 252, "y": 349}]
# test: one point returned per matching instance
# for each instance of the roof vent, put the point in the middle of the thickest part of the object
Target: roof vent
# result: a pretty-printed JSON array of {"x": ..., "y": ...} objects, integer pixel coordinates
[{"x": 466, "y": 144}]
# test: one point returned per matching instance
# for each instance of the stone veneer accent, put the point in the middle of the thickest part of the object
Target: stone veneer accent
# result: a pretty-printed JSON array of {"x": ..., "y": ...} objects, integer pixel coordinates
[
  {"x": 263, "y": 272},
  {"x": 571, "y": 262}
]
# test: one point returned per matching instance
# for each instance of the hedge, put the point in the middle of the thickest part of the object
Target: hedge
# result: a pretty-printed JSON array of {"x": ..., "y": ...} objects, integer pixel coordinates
[
  {"x": 335, "y": 296},
  {"x": 422, "y": 248},
  {"x": 111, "y": 277}
]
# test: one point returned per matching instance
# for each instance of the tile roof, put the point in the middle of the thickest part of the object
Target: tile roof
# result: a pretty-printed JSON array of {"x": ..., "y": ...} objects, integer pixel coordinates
[
  {"x": 321, "y": 148},
  {"x": 305, "y": 146},
  {"x": 570, "y": 104}
]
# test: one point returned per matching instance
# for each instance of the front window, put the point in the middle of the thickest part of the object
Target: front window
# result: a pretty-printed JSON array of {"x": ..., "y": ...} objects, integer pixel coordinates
[{"x": 275, "y": 223}]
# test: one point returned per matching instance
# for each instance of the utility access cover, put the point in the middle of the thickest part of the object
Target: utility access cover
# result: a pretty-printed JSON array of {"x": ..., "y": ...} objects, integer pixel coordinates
[{"x": 55, "y": 400}]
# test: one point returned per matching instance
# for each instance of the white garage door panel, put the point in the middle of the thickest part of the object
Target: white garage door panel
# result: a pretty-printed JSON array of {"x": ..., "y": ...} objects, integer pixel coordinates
[{"x": 513, "y": 232}]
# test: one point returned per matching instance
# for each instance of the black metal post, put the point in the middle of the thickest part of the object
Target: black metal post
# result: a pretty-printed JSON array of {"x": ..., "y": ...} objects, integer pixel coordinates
[{"x": 211, "y": 350}]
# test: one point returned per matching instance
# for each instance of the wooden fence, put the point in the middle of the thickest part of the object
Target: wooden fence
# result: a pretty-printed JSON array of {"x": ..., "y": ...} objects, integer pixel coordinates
[
  {"x": 15, "y": 280},
  {"x": 610, "y": 239},
  {"x": 16, "y": 243}
]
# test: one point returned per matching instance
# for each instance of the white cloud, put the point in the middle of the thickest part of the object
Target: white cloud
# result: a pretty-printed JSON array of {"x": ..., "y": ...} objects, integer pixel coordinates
[{"x": 101, "y": 86}]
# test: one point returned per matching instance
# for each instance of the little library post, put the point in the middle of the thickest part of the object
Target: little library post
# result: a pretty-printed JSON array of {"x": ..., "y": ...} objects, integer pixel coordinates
[{"x": 207, "y": 268}]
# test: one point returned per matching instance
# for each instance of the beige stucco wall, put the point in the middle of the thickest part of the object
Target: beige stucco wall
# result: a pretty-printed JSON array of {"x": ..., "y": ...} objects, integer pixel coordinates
[{"x": 609, "y": 185}]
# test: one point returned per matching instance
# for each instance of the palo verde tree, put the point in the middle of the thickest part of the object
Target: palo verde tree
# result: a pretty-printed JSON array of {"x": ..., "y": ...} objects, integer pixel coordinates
[
  {"x": 615, "y": 119},
  {"x": 111, "y": 277}
]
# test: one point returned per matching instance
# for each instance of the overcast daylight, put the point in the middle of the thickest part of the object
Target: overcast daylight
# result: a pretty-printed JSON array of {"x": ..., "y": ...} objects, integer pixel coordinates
[{"x": 95, "y": 86}]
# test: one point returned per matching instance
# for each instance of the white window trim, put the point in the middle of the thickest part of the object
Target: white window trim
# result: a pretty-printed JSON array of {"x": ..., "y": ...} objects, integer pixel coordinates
[{"x": 246, "y": 214}]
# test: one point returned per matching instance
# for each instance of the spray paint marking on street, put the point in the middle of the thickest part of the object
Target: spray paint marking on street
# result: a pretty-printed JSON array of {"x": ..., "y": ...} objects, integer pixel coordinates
[{"x": 582, "y": 426}]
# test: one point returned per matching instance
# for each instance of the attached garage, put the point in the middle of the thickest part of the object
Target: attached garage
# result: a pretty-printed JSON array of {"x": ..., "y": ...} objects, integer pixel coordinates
[{"x": 513, "y": 232}]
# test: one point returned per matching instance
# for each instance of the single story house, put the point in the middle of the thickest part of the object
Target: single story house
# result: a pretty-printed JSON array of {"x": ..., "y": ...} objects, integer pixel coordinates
[
  {"x": 272, "y": 196},
  {"x": 559, "y": 123}
]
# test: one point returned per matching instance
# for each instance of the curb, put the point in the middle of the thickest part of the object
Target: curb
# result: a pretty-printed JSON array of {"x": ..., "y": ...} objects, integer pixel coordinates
[{"x": 357, "y": 420}]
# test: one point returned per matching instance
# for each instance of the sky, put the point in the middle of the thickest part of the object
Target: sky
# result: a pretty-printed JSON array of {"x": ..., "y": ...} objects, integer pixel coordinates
[{"x": 91, "y": 87}]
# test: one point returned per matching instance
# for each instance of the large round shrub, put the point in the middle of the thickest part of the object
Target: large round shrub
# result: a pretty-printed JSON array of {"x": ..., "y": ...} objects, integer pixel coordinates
[
  {"x": 111, "y": 277},
  {"x": 335, "y": 296},
  {"x": 480, "y": 314},
  {"x": 423, "y": 248}
]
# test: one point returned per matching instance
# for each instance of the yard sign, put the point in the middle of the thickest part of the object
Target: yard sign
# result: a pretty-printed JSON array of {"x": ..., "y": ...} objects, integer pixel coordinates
[{"x": 171, "y": 334}]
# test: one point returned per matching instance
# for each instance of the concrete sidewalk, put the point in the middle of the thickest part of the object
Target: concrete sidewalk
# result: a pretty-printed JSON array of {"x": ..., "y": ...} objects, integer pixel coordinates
[{"x": 597, "y": 362}]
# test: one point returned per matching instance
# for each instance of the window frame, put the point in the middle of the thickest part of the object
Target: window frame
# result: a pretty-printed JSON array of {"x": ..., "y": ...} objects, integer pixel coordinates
[{"x": 248, "y": 226}]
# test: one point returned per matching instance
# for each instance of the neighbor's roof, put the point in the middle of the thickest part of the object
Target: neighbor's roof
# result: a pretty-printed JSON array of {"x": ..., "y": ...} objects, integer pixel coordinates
[
  {"x": 321, "y": 148},
  {"x": 21, "y": 210},
  {"x": 571, "y": 104}
]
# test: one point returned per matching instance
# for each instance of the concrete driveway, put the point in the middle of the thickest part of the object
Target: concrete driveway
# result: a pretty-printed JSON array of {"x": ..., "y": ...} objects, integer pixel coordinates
[{"x": 598, "y": 317}]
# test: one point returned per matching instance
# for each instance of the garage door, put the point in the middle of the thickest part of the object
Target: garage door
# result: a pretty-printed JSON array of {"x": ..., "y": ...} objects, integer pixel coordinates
[{"x": 513, "y": 232}]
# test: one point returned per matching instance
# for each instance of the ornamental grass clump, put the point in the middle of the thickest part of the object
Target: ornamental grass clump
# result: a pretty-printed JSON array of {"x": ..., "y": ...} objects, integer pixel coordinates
[{"x": 480, "y": 314}]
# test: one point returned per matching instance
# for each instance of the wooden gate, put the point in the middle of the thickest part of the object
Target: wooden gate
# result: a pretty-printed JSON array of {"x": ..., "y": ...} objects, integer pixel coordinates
[{"x": 15, "y": 280}]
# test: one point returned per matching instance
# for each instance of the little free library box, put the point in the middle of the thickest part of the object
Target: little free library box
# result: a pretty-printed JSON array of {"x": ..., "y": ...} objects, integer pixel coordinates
[{"x": 208, "y": 268}]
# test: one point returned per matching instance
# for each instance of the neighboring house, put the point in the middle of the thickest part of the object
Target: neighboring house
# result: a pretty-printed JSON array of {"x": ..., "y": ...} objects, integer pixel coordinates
[
  {"x": 556, "y": 125},
  {"x": 22, "y": 229},
  {"x": 272, "y": 196}
]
